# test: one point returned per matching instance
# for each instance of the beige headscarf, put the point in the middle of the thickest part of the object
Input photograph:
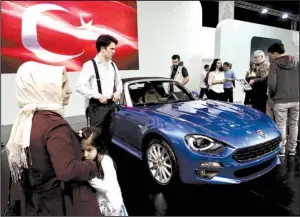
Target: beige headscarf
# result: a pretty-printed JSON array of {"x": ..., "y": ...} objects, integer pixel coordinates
[{"x": 39, "y": 87}]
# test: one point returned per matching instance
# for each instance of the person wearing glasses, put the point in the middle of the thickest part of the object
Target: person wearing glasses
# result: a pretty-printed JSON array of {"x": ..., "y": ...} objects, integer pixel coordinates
[{"x": 260, "y": 82}]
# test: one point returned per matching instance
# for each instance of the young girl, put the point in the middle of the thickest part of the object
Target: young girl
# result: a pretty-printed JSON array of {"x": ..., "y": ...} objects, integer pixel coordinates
[{"x": 107, "y": 188}]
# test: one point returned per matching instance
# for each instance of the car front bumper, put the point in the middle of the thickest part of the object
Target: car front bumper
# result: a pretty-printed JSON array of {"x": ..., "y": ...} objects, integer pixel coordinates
[{"x": 232, "y": 172}]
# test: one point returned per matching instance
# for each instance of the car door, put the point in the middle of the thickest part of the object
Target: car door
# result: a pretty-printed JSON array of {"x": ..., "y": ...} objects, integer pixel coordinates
[
  {"x": 137, "y": 118},
  {"x": 128, "y": 124}
]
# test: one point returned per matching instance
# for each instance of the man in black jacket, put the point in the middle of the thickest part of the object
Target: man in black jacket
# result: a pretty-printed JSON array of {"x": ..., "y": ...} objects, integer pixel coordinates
[{"x": 283, "y": 83}]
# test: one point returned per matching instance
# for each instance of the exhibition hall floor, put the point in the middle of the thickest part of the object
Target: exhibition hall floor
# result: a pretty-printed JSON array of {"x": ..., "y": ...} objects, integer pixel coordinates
[{"x": 276, "y": 193}]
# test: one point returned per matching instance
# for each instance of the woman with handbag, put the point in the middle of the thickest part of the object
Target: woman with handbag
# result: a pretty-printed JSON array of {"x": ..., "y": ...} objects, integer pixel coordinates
[{"x": 44, "y": 152}]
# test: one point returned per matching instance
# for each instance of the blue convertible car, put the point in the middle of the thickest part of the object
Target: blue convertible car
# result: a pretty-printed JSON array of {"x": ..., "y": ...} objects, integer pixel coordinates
[{"x": 181, "y": 137}]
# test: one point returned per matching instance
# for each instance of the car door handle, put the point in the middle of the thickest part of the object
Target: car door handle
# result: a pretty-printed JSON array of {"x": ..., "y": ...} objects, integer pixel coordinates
[{"x": 127, "y": 114}]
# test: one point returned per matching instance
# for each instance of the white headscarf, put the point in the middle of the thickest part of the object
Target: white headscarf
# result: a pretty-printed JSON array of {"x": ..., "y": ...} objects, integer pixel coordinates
[{"x": 39, "y": 87}]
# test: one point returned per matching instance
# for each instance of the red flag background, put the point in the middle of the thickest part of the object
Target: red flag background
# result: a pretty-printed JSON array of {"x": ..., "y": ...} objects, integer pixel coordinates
[{"x": 64, "y": 32}]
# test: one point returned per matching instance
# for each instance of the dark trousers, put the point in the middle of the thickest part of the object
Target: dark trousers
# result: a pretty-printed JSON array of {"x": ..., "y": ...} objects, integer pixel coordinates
[
  {"x": 259, "y": 99},
  {"x": 248, "y": 97},
  {"x": 203, "y": 92},
  {"x": 260, "y": 103},
  {"x": 102, "y": 117},
  {"x": 215, "y": 96},
  {"x": 228, "y": 94}
]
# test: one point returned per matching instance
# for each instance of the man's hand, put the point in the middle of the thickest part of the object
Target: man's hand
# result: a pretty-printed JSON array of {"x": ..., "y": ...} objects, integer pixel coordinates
[
  {"x": 116, "y": 96},
  {"x": 103, "y": 100},
  {"x": 251, "y": 82}
]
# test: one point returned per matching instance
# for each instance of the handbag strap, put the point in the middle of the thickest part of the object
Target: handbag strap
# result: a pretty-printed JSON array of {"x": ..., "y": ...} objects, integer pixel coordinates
[{"x": 9, "y": 188}]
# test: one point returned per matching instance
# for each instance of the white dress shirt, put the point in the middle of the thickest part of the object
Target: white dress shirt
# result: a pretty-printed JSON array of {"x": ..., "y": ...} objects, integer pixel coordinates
[
  {"x": 108, "y": 189},
  {"x": 213, "y": 77},
  {"x": 87, "y": 83}
]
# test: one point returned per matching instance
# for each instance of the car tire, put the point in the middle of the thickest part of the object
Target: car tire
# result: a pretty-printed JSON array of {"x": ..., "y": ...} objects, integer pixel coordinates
[{"x": 162, "y": 165}]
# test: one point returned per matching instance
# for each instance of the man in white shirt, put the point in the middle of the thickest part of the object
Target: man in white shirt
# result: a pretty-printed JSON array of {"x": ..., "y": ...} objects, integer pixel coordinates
[{"x": 101, "y": 85}]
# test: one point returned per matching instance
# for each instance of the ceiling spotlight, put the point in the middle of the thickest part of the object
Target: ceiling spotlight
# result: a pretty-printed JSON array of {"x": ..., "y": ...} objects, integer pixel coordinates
[
  {"x": 264, "y": 11},
  {"x": 284, "y": 16}
]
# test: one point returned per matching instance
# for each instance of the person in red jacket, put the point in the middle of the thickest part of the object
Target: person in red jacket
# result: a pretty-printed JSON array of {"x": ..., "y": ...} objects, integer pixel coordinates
[{"x": 44, "y": 152}]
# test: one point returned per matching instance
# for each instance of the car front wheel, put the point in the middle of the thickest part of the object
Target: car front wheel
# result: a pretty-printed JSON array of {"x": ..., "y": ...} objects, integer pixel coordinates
[{"x": 161, "y": 162}]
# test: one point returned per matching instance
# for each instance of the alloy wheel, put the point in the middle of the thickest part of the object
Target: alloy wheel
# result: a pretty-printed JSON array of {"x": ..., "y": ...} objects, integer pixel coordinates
[{"x": 159, "y": 163}]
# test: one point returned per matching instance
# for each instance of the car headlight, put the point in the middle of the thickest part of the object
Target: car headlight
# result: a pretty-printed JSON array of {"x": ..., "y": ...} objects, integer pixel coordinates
[{"x": 198, "y": 143}]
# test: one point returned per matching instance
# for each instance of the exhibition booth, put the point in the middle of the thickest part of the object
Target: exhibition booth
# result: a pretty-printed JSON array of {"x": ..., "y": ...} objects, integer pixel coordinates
[
  {"x": 161, "y": 29},
  {"x": 156, "y": 127}
]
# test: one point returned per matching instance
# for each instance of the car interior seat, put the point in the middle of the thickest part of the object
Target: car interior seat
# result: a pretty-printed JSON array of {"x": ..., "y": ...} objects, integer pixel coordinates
[{"x": 151, "y": 96}]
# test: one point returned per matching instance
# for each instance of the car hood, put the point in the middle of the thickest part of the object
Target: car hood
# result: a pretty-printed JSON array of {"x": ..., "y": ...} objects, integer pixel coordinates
[
  {"x": 233, "y": 124},
  {"x": 215, "y": 115}
]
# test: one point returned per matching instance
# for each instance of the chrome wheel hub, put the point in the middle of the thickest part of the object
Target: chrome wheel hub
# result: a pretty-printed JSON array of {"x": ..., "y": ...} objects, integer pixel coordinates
[{"x": 159, "y": 163}]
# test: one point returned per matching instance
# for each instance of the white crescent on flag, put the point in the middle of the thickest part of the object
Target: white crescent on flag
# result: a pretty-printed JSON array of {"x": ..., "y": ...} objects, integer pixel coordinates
[
  {"x": 29, "y": 33},
  {"x": 32, "y": 15}
]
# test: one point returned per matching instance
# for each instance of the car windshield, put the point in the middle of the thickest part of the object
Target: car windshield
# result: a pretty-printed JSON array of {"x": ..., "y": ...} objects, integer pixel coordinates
[{"x": 158, "y": 92}]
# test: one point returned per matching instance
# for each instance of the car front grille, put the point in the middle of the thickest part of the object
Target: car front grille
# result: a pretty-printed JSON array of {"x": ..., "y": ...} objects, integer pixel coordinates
[{"x": 251, "y": 153}]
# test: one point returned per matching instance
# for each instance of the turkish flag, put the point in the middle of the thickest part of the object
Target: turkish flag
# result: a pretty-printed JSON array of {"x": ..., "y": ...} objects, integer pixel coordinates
[{"x": 65, "y": 32}]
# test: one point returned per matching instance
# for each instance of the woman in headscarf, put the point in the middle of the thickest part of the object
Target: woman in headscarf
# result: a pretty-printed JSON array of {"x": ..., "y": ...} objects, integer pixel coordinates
[{"x": 43, "y": 151}]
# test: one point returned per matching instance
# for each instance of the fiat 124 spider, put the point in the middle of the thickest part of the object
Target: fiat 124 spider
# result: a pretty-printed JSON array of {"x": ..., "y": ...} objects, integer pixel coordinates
[{"x": 181, "y": 137}]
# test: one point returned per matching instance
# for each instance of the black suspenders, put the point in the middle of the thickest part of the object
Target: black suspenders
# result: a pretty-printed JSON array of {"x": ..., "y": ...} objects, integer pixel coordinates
[
  {"x": 113, "y": 65},
  {"x": 95, "y": 102},
  {"x": 98, "y": 78}
]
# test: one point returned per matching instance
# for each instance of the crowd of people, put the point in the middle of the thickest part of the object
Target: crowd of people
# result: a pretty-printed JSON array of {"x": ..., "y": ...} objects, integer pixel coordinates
[
  {"x": 62, "y": 172},
  {"x": 274, "y": 89},
  {"x": 216, "y": 82}
]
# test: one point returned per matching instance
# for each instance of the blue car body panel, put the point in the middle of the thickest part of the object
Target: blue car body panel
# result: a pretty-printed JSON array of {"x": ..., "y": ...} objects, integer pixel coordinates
[{"x": 232, "y": 124}]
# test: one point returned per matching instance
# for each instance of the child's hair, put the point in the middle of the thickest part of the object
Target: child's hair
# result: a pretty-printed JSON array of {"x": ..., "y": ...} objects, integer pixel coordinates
[{"x": 96, "y": 140}]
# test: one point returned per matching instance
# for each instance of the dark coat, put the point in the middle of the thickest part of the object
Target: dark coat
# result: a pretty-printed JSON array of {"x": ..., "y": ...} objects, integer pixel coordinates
[{"x": 56, "y": 181}]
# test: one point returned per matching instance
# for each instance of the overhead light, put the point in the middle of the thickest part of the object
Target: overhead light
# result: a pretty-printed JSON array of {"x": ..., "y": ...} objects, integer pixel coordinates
[
  {"x": 284, "y": 16},
  {"x": 264, "y": 11}
]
